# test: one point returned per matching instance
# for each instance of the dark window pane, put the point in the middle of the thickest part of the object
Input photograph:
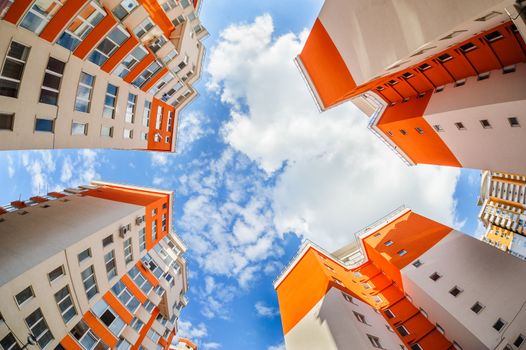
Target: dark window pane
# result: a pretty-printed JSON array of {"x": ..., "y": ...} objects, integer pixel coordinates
[
  {"x": 12, "y": 69},
  {"x": 6, "y": 121},
  {"x": 51, "y": 81},
  {"x": 55, "y": 65},
  {"x": 48, "y": 97},
  {"x": 18, "y": 51},
  {"x": 8, "y": 88}
]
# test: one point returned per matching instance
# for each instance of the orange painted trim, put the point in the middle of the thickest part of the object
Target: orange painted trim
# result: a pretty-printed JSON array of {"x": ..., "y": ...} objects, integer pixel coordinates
[
  {"x": 154, "y": 79},
  {"x": 120, "y": 54},
  {"x": 96, "y": 35},
  {"x": 188, "y": 342},
  {"x": 139, "y": 67},
  {"x": 100, "y": 330},
  {"x": 170, "y": 338},
  {"x": 161, "y": 145},
  {"x": 18, "y": 204},
  {"x": 70, "y": 344},
  {"x": 145, "y": 329},
  {"x": 117, "y": 306},
  {"x": 134, "y": 289},
  {"x": 56, "y": 194},
  {"x": 39, "y": 199},
  {"x": 17, "y": 10},
  {"x": 61, "y": 19},
  {"x": 158, "y": 15},
  {"x": 147, "y": 274}
]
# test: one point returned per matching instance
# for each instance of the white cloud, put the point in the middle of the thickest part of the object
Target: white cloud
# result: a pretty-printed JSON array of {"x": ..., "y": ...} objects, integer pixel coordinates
[
  {"x": 211, "y": 345},
  {"x": 277, "y": 347},
  {"x": 193, "y": 126},
  {"x": 265, "y": 311},
  {"x": 159, "y": 159},
  {"x": 337, "y": 176},
  {"x": 10, "y": 166},
  {"x": 189, "y": 331}
]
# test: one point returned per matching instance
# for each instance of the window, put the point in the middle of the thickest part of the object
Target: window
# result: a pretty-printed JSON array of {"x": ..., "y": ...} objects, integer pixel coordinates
[
  {"x": 108, "y": 45},
  {"x": 444, "y": 57},
  {"x": 460, "y": 126},
  {"x": 163, "y": 222},
  {"x": 78, "y": 128},
  {"x": 424, "y": 67},
  {"x": 107, "y": 241},
  {"x": 6, "y": 121},
  {"x": 468, "y": 47},
  {"x": 38, "y": 327},
  {"x": 106, "y": 131},
  {"x": 388, "y": 243},
  {"x": 130, "y": 108},
  {"x": 123, "y": 345},
  {"x": 460, "y": 82},
  {"x": 423, "y": 312},
  {"x": 142, "y": 239},
  {"x": 9, "y": 343},
  {"x": 170, "y": 56},
  {"x": 127, "y": 134},
  {"x": 508, "y": 69},
  {"x": 519, "y": 341},
  {"x": 402, "y": 330},
  {"x": 40, "y": 14},
  {"x": 81, "y": 26},
  {"x": 416, "y": 346},
  {"x": 169, "y": 5},
  {"x": 329, "y": 268},
  {"x": 485, "y": 123},
  {"x": 153, "y": 335},
  {"x": 89, "y": 281},
  {"x": 493, "y": 36},
  {"x": 366, "y": 285},
  {"x": 24, "y": 296},
  {"x": 359, "y": 317},
  {"x": 389, "y": 314},
  {"x": 86, "y": 337},
  {"x": 377, "y": 299},
  {"x": 110, "y": 319},
  {"x": 44, "y": 125},
  {"x": 419, "y": 130},
  {"x": 84, "y": 90},
  {"x": 402, "y": 252},
  {"x": 128, "y": 253},
  {"x": 156, "y": 44},
  {"x": 110, "y": 101},
  {"x": 339, "y": 282},
  {"x": 435, "y": 276},
  {"x": 483, "y": 76},
  {"x": 180, "y": 19},
  {"x": 147, "y": 74},
  {"x": 440, "y": 329},
  {"x": 403, "y": 132},
  {"x": 130, "y": 61},
  {"x": 456, "y": 346},
  {"x": 65, "y": 304},
  {"x": 136, "y": 324},
  {"x": 161, "y": 83},
  {"x": 169, "y": 125},
  {"x": 154, "y": 230},
  {"x": 127, "y": 299},
  {"x": 499, "y": 325},
  {"x": 124, "y": 8},
  {"x": 140, "y": 281},
  {"x": 51, "y": 84},
  {"x": 488, "y": 16},
  {"x": 438, "y": 128},
  {"x": 146, "y": 113},
  {"x": 408, "y": 75},
  {"x": 159, "y": 117},
  {"x": 455, "y": 291},
  {"x": 514, "y": 122},
  {"x": 84, "y": 255},
  {"x": 375, "y": 341},
  {"x": 417, "y": 264},
  {"x": 111, "y": 267},
  {"x": 56, "y": 273},
  {"x": 143, "y": 27},
  {"x": 357, "y": 274},
  {"x": 13, "y": 68}
]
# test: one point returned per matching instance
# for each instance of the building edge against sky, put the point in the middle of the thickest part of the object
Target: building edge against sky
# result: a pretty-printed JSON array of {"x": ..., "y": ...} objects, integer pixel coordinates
[
  {"x": 90, "y": 74},
  {"x": 404, "y": 282},
  {"x": 441, "y": 83},
  {"x": 93, "y": 267}
]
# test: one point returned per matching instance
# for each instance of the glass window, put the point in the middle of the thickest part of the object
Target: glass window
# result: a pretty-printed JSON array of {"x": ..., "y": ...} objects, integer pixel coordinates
[
  {"x": 169, "y": 5},
  {"x": 110, "y": 101},
  {"x": 4, "y": 7},
  {"x": 44, "y": 125},
  {"x": 6, "y": 121},
  {"x": 111, "y": 267},
  {"x": 13, "y": 69},
  {"x": 159, "y": 118},
  {"x": 127, "y": 134},
  {"x": 84, "y": 91},
  {"x": 40, "y": 14},
  {"x": 86, "y": 337},
  {"x": 143, "y": 27},
  {"x": 146, "y": 113},
  {"x": 170, "y": 120},
  {"x": 84, "y": 255},
  {"x": 51, "y": 84},
  {"x": 126, "y": 298},
  {"x": 128, "y": 253},
  {"x": 178, "y": 20},
  {"x": 9, "y": 342},
  {"x": 65, "y": 304},
  {"x": 108, "y": 45},
  {"x": 140, "y": 280},
  {"x": 154, "y": 230},
  {"x": 124, "y": 8},
  {"x": 123, "y": 345},
  {"x": 185, "y": 3},
  {"x": 78, "y": 128},
  {"x": 107, "y": 241},
  {"x": 38, "y": 327},
  {"x": 81, "y": 26},
  {"x": 89, "y": 281},
  {"x": 142, "y": 239},
  {"x": 161, "y": 83},
  {"x": 56, "y": 273},
  {"x": 130, "y": 108},
  {"x": 153, "y": 68},
  {"x": 25, "y": 295},
  {"x": 375, "y": 341},
  {"x": 106, "y": 131},
  {"x": 130, "y": 61},
  {"x": 156, "y": 44},
  {"x": 170, "y": 56}
]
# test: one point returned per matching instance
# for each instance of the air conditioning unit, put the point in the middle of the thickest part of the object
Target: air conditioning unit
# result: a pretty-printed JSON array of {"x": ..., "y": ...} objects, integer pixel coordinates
[
  {"x": 123, "y": 231},
  {"x": 139, "y": 220}
]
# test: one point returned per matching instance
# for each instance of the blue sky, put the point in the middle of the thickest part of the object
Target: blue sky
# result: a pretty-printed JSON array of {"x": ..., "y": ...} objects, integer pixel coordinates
[{"x": 258, "y": 169}]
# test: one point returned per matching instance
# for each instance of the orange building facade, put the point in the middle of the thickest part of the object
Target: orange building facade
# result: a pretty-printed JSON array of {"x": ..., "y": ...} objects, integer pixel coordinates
[
  {"x": 105, "y": 270},
  {"x": 439, "y": 82},
  {"x": 97, "y": 74},
  {"x": 407, "y": 282}
]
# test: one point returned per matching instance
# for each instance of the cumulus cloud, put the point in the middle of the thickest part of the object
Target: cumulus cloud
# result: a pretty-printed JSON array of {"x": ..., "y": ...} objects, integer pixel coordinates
[
  {"x": 211, "y": 345},
  {"x": 334, "y": 176},
  {"x": 277, "y": 347},
  {"x": 188, "y": 330},
  {"x": 265, "y": 311},
  {"x": 193, "y": 126}
]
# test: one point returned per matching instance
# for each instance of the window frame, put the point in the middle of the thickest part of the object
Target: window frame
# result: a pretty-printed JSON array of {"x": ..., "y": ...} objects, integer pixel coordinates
[
  {"x": 23, "y": 61},
  {"x": 51, "y": 72}
]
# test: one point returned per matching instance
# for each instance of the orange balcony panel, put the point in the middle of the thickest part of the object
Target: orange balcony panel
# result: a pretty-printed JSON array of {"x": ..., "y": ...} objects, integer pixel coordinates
[
  {"x": 458, "y": 67},
  {"x": 434, "y": 340},
  {"x": 56, "y": 194},
  {"x": 508, "y": 49},
  {"x": 61, "y": 19},
  {"x": 154, "y": 79},
  {"x": 70, "y": 344},
  {"x": 18, "y": 204},
  {"x": 17, "y": 10},
  {"x": 436, "y": 74},
  {"x": 2, "y": 211},
  {"x": 99, "y": 329},
  {"x": 96, "y": 35},
  {"x": 38, "y": 199},
  {"x": 404, "y": 89},
  {"x": 482, "y": 58},
  {"x": 158, "y": 15},
  {"x": 119, "y": 55},
  {"x": 139, "y": 67},
  {"x": 117, "y": 306},
  {"x": 402, "y": 311},
  {"x": 390, "y": 94}
]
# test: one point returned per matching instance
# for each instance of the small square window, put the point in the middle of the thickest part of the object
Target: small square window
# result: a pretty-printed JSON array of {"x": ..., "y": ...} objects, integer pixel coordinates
[
  {"x": 499, "y": 325},
  {"x": 389, "y": 314},
  {"x": 392, "y": 82},
  {"x": 44, "y": 125},
  {"x": 24, "y": 296},
  {"x": 417, "y": 263},
  {"x": 460, "y": 126},
  {"x": 408, "y": 75},
  {"x": 514, "y": 122},
  {"x": 329, "y": 268},
  {"x": 388, "y": 243},
  {"x": 339, "y": 282},
  {"x": 107, "y": 241},
  {"x": 377, "y": 299},
  {"x": 438, "y": 128},
  {"x": 444, "y": 57},
  {"x": 420, "y": 95},
  {"x": 84, "y": 255},
  {"x": 402, "y": 252},
  {"x": 483, "y": 76},
  {"x": 424, "y": 67},
  {"x": 439, "y": 89},
  {"x": 455, "y": 291},
  {"x": 409, "y": 297},
  {"x": 6, "y": 121},
  {"x": 56, "y": 273},
  {"x": 377, "y": 234},
  {"x": 468, "y": 47},
  {"x": 403, "y": 331},
  {"x": 519, "y": 341},
  {"x": 366, "y": 285},
  {"x": 359, "y": 317},
  {"x": 493, "y": 36},
  {"x": 419, "y": 130},
  {"x": 456, "y": 346},
  {"x": 390, "y": 133},
  {"x": 460, "y": 82},
  {"x": 375, "y": 341},
  {"x": 485, "y": 123},
  {"x": 416, "y": 347},
  {"x": 423, "y": 312},
  {"x": 440, "y": 329},
  {"x": 357, "y": 274},
  {"x": 348, "y": 298},
  {"x": 508, "y": 69},
  {"x": 379, "y": 88},
  {"x": 435, "y": 276}
]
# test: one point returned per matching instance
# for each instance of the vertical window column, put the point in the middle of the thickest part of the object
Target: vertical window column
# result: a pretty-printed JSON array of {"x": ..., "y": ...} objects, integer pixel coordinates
[
  {"x": 84, "y": 91},
  {"x": 13, "y": 68},
  {"x": 52, "y": 79}
]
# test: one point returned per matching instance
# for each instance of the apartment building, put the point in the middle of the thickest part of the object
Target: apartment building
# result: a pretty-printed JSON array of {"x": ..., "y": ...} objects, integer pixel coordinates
[
  {"x": 405, "y": 282},
  {"x": 503, "y": 211},
  {"x": 184, "y": 344},
  {"x": 97, "y": 74},
  {"x": 442, "y": 82},
  {"x": 93, "y": 267}
]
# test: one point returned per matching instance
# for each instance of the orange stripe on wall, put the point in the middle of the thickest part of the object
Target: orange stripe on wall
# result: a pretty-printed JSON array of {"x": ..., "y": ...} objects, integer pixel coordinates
[
  {"x": 17, "y": 10},
  {"x": 145, "y": 329},
  {"x": 122, "y": 52},
  {"x": 118, "y": 307},
  {"x": 158, "y": 15},
  {"x": 134, "y": 289},
  {"x": 96, "y": 35},
  {"x": 100, "y": 330},
  {"x": 154, "y": 79},
  {"x": 134, "y": 73},
  {"x": 69, "y": 343},
  {"x": 147, "y": 274},
  {"x": 162, "y": 145},
  {"x": 61, "y": 19}
]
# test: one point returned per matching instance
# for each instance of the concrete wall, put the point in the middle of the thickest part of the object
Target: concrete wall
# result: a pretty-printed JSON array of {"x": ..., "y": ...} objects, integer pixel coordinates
[{"x": 486, "y": 275}]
